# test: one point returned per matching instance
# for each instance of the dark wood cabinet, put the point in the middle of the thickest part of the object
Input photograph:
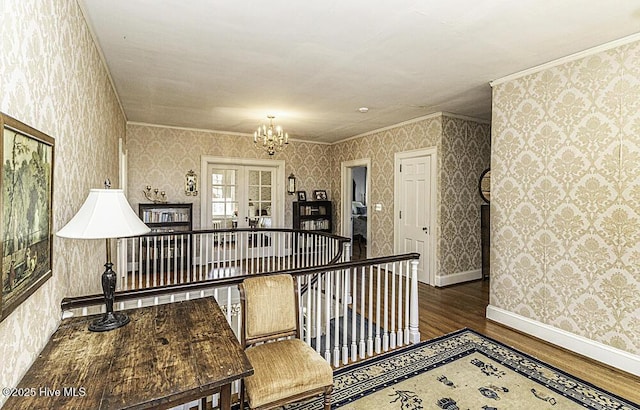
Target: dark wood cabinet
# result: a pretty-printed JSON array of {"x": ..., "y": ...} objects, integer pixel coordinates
[
  {"x": 167, "y": 217},
  {"x": 313, "y": 216},
  {"x": 485, "y": 238}
]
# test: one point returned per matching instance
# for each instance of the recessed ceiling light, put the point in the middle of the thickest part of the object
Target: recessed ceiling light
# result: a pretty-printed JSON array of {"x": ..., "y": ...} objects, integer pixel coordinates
[{"x": 363, "y": 109}]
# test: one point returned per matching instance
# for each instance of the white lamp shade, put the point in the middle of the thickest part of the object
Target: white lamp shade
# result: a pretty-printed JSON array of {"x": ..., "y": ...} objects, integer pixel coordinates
[{"x": 104, "y": 214}]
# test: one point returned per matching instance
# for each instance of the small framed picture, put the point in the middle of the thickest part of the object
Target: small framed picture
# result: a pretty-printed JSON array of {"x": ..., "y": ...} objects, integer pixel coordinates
[
  {"x": 302, "y": 195},
  {"x": 320, "y": 195}
]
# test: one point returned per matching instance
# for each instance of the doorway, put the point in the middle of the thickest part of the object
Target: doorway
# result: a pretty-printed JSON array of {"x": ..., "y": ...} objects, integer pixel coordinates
[
  {"x": 240, "y": 193},
  {"x": 415, "y": 208},
  {"x": 356, "y": 224}
]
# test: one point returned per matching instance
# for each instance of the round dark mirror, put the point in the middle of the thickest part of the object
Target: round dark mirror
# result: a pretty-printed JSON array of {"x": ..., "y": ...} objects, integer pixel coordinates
[{"x": 484, "y": 186}]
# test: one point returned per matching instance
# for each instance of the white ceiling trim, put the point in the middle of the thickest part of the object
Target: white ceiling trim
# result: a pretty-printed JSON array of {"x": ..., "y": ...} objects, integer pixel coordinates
[
  {"x": 424, "y": 117},
  {"x": 241, "y": 134},
  {"x": 572, "y": 57},
  {"x": 465, "y": 117}
]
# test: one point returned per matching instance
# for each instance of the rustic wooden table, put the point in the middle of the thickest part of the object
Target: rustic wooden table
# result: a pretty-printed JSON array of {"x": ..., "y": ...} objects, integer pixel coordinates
[{"x": 168, "y": 355}]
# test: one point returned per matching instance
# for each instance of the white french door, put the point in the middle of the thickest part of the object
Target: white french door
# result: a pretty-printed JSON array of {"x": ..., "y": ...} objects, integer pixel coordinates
[
  {"x": 241, "y": 197},
  {"x": 241, "y": 193}
]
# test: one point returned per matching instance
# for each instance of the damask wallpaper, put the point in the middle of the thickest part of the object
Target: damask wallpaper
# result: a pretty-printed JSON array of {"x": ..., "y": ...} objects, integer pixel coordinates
[
  {"x": 52, "y": 78},
  {"x": 161, "y": 156},
  {"x": 565, "y": 194},
  {"x": 463, "y": 147}
]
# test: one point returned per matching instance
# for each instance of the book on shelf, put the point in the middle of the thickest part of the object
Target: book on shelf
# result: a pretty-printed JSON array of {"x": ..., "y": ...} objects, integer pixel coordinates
[
  {"x": 313, "y": 210},
  {"x": 159, "y": 216},
  {"x": 314, "y": 225}
]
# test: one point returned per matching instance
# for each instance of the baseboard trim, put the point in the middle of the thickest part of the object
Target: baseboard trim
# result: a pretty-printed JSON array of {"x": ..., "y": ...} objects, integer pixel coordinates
[
  {"x": 458, "y": 277},
  {"x": 595, "y": 350}
]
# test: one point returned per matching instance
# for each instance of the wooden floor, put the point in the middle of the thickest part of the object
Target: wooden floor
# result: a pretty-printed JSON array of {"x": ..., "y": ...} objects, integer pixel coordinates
[{"x": 445, "y": 310}]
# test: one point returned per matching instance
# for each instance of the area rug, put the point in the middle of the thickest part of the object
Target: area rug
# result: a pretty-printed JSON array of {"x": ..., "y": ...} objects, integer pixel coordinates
[{"x": 462, "y": 370}]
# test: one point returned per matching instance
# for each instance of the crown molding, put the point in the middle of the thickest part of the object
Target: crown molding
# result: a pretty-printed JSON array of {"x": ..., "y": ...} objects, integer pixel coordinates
[
  {"x": 241, "y": 134},
  {"x": 572, "y": 57},
  {"x": 466, "y": 118},
  {"x": 390, "y": 127}
]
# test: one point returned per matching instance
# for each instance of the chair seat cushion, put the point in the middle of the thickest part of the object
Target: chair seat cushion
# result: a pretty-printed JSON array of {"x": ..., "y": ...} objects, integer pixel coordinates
[{"x": 283, "y": 369}]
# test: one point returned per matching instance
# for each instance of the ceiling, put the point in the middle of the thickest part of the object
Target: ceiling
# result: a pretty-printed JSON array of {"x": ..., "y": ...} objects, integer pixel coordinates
[{"x": 226, "y": 64}]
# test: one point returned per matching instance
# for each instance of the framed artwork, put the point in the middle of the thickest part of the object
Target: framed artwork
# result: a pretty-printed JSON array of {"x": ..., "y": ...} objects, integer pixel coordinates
[
  {"x": 191, "y": 183},
  {"x": 25, "y": 216},
  {"x": 320, "y": 195},
  {"x": 302, "y": 195}
]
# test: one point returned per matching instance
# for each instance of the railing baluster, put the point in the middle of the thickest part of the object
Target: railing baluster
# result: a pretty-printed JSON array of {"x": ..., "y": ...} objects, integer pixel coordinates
[
  {"x": 407, "y": 300},
  {"x": 162, "y": 260},
  {"x": 392, "y": 333},
  {"x": 400, "y": 310},
  {"x": 336, "y": 314},
  {"x": 370, "y": 316},
  {"x": 414, "y": 332},
  {"x": 308, "y": 312},
  {"x": 354, "y": 311},
  {"x": 362, "y": 344},
  {"x": 345, "y": 295},
  {"x": 385, "y": 334},
  {"x": 328, "y": 297},
  {"x": 377, "y": 340},
  {"x": 318, "y": 311}
]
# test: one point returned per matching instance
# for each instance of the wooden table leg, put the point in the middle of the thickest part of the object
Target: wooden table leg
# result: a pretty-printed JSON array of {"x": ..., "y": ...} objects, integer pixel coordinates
[{"x": 225, "y": 397}]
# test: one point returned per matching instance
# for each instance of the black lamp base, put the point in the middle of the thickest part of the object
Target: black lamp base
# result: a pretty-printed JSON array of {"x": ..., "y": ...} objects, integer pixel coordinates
[{"x": 109, "y": 321}]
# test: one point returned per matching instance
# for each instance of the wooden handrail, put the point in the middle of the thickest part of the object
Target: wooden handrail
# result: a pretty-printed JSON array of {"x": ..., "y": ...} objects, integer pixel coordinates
[
  {"x": 91, "y": 300},
  {"x": 339, "y": 238}
]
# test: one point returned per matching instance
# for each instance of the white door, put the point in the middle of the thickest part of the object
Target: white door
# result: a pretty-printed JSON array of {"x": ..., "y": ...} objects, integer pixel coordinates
[
  {"x": 240, "y": 197},
  {"x": 414, "y": 212}
]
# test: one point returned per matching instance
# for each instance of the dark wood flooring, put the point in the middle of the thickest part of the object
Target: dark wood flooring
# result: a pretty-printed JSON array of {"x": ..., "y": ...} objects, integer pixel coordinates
[{"x": 445, "y": 310}]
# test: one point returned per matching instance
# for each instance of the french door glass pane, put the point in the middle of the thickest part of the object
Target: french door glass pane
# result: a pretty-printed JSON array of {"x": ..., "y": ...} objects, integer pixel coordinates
[
  {"x": 260, "y": 186},
  {"x": 224, "y": 202}
]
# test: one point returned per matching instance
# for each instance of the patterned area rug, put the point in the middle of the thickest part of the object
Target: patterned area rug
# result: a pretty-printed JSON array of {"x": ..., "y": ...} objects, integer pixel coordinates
[{"x": 462, "y": 370}]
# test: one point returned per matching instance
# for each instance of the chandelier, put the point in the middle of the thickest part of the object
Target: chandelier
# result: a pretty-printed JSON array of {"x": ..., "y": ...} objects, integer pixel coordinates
[{"x": 271, "y": 139}]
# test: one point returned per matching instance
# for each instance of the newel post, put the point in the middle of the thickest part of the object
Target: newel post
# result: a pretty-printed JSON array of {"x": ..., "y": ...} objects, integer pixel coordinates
[{"x": 414, "y": 331}]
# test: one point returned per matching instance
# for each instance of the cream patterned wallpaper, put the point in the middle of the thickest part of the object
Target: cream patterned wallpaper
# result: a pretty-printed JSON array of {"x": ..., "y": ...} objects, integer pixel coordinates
[
  {"x": 161, "y": 156},
  {"x": 463, "y": 153},
  {"x": 565, "y": 194},
  {"x": 466, "y": 147},
  {"x": 52, "y": 78}
]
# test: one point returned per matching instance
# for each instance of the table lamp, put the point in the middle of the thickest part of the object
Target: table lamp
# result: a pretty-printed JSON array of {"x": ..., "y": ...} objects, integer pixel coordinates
[{"x": 105, "y": 214}]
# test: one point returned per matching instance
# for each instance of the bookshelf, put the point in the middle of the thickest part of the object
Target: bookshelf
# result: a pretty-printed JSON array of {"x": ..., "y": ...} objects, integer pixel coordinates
[
  {"x": 169, "y": 250},
  {"x": 167, "y": 217},
  {"x": 313, "y": 216}
]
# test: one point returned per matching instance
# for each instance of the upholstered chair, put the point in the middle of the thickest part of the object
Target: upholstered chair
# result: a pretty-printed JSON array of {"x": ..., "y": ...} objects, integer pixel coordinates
[{"x": 286, "y": 369}]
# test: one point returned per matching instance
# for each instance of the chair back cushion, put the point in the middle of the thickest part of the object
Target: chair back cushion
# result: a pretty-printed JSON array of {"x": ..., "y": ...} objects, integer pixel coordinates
[{"x": 270, "y": 306}]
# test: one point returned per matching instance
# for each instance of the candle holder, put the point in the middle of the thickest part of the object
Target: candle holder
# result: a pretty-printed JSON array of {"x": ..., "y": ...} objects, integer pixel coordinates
[{"x": 155, "y": 195}]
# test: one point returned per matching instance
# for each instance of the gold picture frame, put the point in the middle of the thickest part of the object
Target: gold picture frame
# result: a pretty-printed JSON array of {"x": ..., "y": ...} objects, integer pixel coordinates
[{"x": 26, "y": 212}]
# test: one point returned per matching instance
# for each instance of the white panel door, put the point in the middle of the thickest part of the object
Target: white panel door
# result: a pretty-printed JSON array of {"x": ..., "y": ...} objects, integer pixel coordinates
[{"x": 414, "y": 213}]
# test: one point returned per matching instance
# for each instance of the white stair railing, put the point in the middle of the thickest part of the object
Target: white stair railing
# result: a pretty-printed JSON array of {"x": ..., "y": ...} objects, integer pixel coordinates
[
  {"x": 348, "y": 310},
  {"x": 359, "y": 312},
  {"x": 174, "y": 258}
]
